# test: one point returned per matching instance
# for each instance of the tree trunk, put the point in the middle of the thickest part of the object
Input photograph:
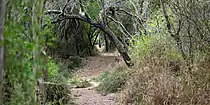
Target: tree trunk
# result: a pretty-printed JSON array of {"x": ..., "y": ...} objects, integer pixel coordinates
[
  {"x": 112, "y": 37},
  {"x": 99, "y": 40},
  {"x": 90, "y": 41},
  {"x": 120, "y": 47},
  {"x": 106, "y": 43},
  {"x": 1, "y": 50},
  {"x": 94, "y": 42}
]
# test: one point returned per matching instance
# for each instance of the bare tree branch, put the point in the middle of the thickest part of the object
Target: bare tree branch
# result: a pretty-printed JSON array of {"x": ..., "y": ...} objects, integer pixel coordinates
[
  {"x": 127, "y": 34},
  {"x": 141, "y": 21},
  {"x": 73, "y": 16},
  {"x": 65, "y": 6}
]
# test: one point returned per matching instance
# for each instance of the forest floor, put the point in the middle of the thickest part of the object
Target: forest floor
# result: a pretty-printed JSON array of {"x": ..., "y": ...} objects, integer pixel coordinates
[{"x": 95, "y": 65}]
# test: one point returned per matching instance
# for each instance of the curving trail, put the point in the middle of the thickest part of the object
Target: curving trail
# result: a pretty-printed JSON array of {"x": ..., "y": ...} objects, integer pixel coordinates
[{"x": 94, "y": 66}]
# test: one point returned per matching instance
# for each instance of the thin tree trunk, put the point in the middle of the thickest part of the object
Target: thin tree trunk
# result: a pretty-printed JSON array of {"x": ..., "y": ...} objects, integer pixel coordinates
[
  {"x": 99, "y": 40},
  {"x": 90, "y": 41},
  {"x": 106, "y": 43},
  {"x": 176, "y": 36},
  {"x": 1, "y": 50},
  {"x": 97, "y": 35}
]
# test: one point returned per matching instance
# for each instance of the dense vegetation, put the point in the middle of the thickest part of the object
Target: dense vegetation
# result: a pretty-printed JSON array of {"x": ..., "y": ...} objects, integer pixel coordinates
[{"x": 165, "y": 44}]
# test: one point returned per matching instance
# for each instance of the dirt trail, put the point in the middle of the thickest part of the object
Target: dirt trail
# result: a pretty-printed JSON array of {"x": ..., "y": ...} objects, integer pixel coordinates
[{"x": 94, "y": 66}]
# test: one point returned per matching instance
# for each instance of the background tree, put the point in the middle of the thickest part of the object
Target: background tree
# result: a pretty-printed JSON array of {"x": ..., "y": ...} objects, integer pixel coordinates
[
  {"x": 104, "y": 20},
  {"x": 1, "y": 50}
]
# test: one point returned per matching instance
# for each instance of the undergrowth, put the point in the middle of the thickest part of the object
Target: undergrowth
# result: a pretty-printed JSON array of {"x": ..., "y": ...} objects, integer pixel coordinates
[
  {"x": 162, "y": 77},
  {"x": 70, "y": 62},
  {"x": 79, "y": 83},
  {"x": 56, "y": 89},
  {"x": 112, "y": 81}
]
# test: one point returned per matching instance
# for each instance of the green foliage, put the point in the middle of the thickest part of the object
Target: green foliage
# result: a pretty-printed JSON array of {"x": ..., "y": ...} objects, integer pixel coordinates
[
  {"x": 56, "y": 90},
  {"x": 25, "y": 40},
  {"x": 145, "y": 46},
  {"x": 102, "y": 76},
  {"x": 93, "y": 8},
  {"x": 59, "y": 71},
  {"x": 18, "y": 65},
  {"x": 111, "y": 81},
  {"x": 52, "y": 68}
]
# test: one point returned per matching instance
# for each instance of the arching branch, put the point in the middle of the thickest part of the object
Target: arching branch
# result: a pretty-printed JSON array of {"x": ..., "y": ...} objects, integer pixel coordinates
[{"x": 110, "y": 34}]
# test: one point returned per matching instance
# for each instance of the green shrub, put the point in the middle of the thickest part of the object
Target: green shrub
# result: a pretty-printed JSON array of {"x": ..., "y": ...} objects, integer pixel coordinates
[
  {"x": 112, "y": 81},
  {"x": 58, "y": 72},
  {"x": 154, "y": 46},
  {"x": 55, "y": 90},
  {"x": 53, "y": 69},
  {"x": 102, "y": 76}
]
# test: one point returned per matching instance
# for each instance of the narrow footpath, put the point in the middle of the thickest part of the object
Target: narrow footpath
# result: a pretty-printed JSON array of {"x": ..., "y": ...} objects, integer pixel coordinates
[{"x": 93, "y": 67}]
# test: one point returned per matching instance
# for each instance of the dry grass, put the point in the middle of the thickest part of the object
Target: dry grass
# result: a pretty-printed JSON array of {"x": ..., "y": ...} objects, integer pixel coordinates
[
  {"x": 158, "y": 82},
  {"x": 161, "y": 77}
]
